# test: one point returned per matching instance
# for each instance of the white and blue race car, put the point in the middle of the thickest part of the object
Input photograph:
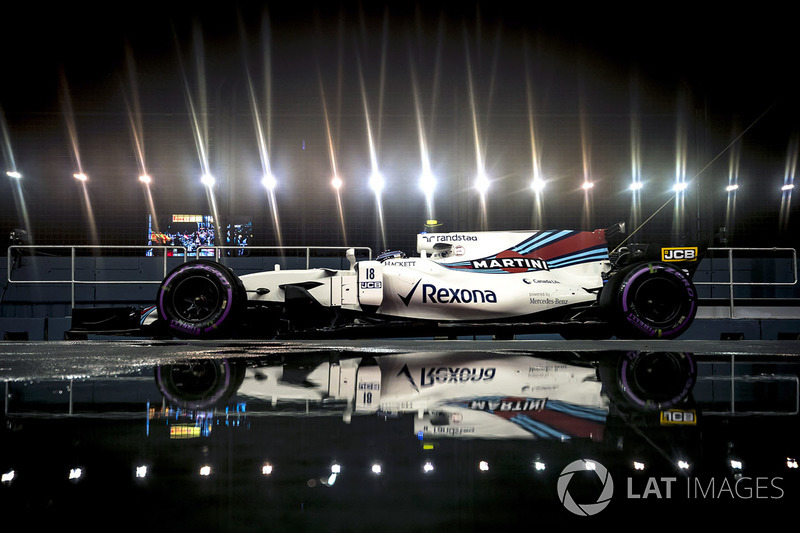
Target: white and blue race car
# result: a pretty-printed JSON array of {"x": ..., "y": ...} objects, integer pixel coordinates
[{"x": 505, "y": 282}]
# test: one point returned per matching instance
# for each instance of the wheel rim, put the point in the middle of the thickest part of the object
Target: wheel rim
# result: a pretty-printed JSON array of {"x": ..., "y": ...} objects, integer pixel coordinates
[
  {"x": 659, "y": 379},
  {"x": 196, "y": 298},
  {"x": 196, "y": 381},
  {"x": 658, "y": 300}
]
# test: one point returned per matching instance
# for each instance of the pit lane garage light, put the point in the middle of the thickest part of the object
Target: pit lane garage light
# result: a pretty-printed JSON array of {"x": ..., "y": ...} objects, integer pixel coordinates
[
  {"x": 335, "y": 470},
  {"x": 539, "y": 466},
  {"x": 376, "y": 469},
  {"x": 266, "y": 469},
  {"x": 680, "y": 186},
  {"x": 587, "y": 185},
  {"x": 483, "y": 466},
  {"x": 75, "y": 474},
  {"x": 683, "y": 465},
  {"x": 208, "y": 180},
  {"x": 336, "y": 182},
  {"x": 80, "y": 176},
  {"x": 376, "y": 182},
  {"x": 141, "y": 472},
  {"x": 791, "y": 463},
  {"x": 427, "y": 183},
  {"x": 269, "y": 182},
  {"x": 736, "y": 464},
  {"x": 205, "y": 470},
  {"x": 13, "y": 174},
  {"x": 638, "y": 465},
  {"x": 788, "y": 187},
  {"x": 427, "y": 467},
  {"x": 144, "y": 178},
  {"x": 482, "y": 183},
  {"x": 537, "y": 185},
  {"x": 636, "y": 186},
  {"x": 731, "y": 188},
  {"x": 7, "y": 477}
]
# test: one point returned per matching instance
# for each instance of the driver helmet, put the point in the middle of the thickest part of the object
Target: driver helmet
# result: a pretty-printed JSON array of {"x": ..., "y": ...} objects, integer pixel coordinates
[{"x": 391, "y": 254}]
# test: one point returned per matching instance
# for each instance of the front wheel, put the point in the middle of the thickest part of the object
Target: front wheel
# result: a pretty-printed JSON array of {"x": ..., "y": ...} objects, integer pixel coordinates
[
  {"x": 650, "y": 300},
  {"x": 200, "y": 299}
]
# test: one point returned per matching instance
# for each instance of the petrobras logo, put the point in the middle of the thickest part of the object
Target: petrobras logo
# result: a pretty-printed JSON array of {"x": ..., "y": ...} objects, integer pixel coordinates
[
  {"x": 679, "y": 254},
  {"x": 448, "y": 295}
]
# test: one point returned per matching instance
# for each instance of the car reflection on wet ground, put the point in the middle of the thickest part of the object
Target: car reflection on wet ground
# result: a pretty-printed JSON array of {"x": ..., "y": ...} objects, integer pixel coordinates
[{"x": 401, "y": 436}]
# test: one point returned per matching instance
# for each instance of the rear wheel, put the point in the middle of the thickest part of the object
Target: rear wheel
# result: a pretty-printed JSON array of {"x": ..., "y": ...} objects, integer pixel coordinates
[
  {"x": 199, "y": 384},
  {"x": 649, "y": 381},
  {"x": 200, "y": 299},
  {"x": 650, "y": 300}
]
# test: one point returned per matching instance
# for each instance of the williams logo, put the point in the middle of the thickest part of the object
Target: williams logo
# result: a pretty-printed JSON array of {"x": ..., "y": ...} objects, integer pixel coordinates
[
  {"x": 446, "y": 295},
  {"x": 679, "y": 254}
]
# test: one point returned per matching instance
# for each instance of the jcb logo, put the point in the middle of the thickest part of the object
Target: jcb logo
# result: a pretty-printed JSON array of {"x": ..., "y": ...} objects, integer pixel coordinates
[
  {"x": 679, "y": 254},
  {"x": 679, "y": 417}
]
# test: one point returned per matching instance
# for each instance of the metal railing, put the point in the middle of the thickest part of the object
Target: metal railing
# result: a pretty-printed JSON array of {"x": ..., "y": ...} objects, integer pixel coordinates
[
  {"x": 72, "y": 281},
  {"x": 177, "y": 252},
  {"x": 218, "y": 249},
  {"x": 731, "y": 284}
]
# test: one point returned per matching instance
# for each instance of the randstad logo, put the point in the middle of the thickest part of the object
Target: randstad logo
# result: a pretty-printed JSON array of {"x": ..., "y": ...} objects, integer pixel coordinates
[{"x": 582, "y": 467}]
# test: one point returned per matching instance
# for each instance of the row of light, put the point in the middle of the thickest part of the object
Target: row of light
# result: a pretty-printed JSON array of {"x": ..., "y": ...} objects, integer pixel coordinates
[
  {"x": 427, "y": 183},
  {"x": 267, "y": 469}
]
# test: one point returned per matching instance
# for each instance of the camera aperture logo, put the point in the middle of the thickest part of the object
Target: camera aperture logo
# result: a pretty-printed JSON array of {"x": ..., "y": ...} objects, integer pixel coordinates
[
  {"x": 582, "y": 466},
  {"x": 585, "y": 488}
]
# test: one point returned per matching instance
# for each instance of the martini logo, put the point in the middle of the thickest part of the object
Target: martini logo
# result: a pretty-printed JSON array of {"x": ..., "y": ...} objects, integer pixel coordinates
[{"x": 511, "y": 262}]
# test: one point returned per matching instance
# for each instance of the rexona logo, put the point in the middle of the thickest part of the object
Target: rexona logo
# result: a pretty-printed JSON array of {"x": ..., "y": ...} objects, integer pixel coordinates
[
  {"x": 679, "y": 254},
  {"x": 428, "y": 377},
  {"x": 445, "y": 295},
  {"x": 448, "y": 295}
]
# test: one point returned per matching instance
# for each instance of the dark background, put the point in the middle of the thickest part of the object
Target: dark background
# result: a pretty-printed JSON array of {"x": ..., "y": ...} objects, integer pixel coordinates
[{"x": 608, "y": 92}]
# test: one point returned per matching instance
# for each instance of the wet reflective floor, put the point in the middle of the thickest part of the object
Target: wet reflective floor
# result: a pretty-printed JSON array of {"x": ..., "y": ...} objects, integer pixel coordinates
[{"x": 399, "y": 436}]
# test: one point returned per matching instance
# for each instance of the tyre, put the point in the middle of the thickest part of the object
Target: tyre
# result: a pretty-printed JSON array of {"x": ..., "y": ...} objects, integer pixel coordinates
[
  {"x": 200, "y": 299},
  {"x": 650, "y": 300},
  {"x": 201, "y": 384},
  {"x": 649, "y": 381}
]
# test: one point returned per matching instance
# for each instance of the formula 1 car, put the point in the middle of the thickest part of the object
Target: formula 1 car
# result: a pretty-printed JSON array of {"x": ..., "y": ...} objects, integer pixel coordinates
[{"x": 560, "y": 281}]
